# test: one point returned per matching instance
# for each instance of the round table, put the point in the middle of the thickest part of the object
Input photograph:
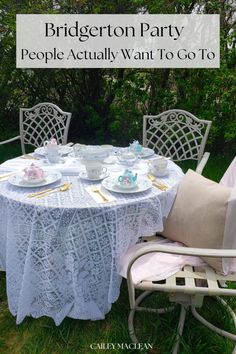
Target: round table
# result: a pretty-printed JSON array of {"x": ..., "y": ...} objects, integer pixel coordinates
[{"x": 61, "y": 253}]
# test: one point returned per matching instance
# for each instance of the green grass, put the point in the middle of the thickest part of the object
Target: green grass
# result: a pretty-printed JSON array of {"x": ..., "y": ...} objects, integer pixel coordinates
[{"x": 41, "y": 336}]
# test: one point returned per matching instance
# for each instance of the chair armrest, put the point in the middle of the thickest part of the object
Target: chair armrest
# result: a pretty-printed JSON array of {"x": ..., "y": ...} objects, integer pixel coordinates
[
  {"x": 203, "y": 162},
  {"x": 9, "y": 140},
  {"x": 188, "y": 251}
]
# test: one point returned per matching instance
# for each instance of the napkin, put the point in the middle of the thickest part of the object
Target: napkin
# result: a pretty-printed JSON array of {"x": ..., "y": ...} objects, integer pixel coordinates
[
  {"x": 70, "y": 167},
  {"x": 97, "y": 197},
  {"x": 16, "y": 164}
]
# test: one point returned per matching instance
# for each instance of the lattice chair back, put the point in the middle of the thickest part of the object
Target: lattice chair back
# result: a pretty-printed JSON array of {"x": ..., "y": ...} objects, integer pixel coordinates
[
  {"x": 177, "y": 134},
  {"x": 42, "y": 122}
]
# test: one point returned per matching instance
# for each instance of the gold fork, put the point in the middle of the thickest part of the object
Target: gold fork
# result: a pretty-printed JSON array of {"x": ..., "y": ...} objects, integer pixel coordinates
[
  {"x": 157, "y": 184},
  {"x": 96, "y": 190}
]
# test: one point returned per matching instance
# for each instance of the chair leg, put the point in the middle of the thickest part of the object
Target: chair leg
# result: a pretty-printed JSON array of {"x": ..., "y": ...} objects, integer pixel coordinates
[
  {"x": 139, "y": 299},
  {"x": 214, "y": 328},
  {"x": 180, "y": 329}
]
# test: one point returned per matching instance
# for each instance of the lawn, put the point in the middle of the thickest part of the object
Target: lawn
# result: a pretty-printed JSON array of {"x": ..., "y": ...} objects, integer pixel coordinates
[{"x": 35, "y": 336}]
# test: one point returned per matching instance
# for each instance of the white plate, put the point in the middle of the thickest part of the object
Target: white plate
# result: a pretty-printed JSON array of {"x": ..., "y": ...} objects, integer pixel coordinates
[
  {"x": 110, "y": 184},
  {"x": 63, "y": 150},
  {"x": 83, "y": 175},
  {"x": 34, "y": 181},
  {"x": 18, "y": 181},
  {"x": 146, "y": 152}
]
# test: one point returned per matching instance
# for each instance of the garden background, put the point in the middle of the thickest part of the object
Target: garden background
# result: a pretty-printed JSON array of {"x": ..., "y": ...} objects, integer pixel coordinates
[{"x": 107, "y": 106}]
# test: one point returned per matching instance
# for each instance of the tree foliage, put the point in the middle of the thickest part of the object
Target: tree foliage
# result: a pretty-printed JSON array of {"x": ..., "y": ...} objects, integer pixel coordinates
[{"x": 108, "y": 104}]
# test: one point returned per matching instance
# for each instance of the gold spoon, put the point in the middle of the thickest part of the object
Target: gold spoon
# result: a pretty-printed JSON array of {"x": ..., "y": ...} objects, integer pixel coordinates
[
  {"x": 101, "y": 195},
  {"x": 63, "y": 188}
]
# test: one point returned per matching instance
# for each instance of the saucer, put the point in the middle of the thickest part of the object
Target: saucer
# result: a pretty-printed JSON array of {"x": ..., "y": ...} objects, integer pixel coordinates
[
  {"x": 83, "y": 175},
  {"x": 161, "y": 173}
]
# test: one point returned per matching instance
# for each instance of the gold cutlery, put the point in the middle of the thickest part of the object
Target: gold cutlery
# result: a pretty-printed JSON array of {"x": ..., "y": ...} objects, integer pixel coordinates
[
  {"x": 31, "y": 195},
  {"x": 65, "y": 187},
  {"x": 29, "y": 157},
  {"x": 96, "y": 190},
  {"x": 6, "y": 176},
  {"x": 156, "y": 183}
]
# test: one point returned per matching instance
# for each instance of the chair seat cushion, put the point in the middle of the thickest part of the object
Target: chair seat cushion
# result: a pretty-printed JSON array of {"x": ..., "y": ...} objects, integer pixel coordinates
[
  {"x": 156, "y": 266},
  {"x": 197, "y": 218}
]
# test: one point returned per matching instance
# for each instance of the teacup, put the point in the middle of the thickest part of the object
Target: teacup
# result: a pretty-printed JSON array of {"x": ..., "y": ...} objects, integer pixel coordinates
[
  {"x": 53, "y": 156},
  {"x": 94, "y": 169},
  {"x": 159, "y": 165},
  {"x": 77, "y": 149}
]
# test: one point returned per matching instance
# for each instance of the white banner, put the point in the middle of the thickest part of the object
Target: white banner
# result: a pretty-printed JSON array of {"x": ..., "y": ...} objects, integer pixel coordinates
[{"x": 118, "y": 41}]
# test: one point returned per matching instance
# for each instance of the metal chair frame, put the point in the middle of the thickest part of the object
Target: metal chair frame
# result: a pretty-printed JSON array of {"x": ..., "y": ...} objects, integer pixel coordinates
[
  {"x": 190, "y": 295},
  {"x": 177, "y": 134},
  {"x": 42, "y": 122}
]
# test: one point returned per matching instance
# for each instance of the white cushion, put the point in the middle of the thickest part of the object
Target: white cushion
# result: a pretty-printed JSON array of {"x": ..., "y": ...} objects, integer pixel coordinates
[{"x": 156, "y": 266}]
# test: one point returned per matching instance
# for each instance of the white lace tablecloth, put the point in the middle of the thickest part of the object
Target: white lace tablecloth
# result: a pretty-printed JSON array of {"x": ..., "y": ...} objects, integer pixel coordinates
[{"x": 61, "y": 253}]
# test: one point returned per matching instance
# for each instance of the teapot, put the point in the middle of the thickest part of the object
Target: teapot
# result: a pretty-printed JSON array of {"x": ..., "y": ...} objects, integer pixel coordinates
[
  {"x": 128, "y": 179},
  {"x": 52, "y": 141},
  {"x": 51, "y": 146},
  {"x": 33, "y": 173},
  {"x": 135, "y": 147}
]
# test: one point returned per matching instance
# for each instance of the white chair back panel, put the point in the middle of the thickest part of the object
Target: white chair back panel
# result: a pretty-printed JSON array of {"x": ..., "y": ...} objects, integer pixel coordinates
[
  {"x": 177, "y": 134},
  {"x": 42, "y": 122}
]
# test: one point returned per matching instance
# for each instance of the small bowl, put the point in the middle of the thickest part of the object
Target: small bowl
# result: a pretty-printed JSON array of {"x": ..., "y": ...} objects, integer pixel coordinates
[{"x": 127, "y": 158}]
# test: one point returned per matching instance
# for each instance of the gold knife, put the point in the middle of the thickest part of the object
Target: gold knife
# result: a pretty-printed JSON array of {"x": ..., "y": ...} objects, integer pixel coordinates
[
  {"x": 32, "y": 195},
  {"x": 65, "y": 187},
  {"x": 157, "y": 184},
  {"x": 29, "y": 157}
]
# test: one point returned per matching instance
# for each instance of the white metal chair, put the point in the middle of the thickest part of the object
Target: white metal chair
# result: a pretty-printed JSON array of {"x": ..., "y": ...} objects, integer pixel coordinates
[
  {"x": 195, "y": 282},
  {"x": 177, "y": 134},
  {"x": 40, "y": 123},
  {"x": 188, "y": 294}
]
